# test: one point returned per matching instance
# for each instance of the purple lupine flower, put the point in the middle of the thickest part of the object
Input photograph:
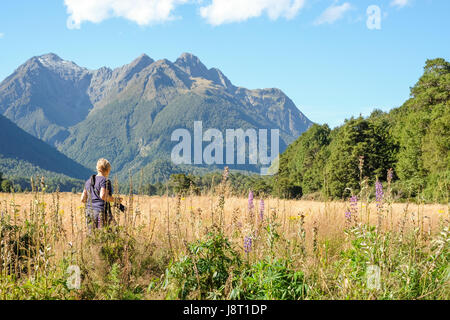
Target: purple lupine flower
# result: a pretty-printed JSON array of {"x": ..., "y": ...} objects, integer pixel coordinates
[
  {"x": 261, "y": 210},
  {"x": 247, "y": 244},
  {"x": 353, "y": 210},
  {"x": 354, "y": 203},
  {"x": 250, "y": 201},
  {"x": 379, "y": 193},
  {"x": 348, "y": 215}
]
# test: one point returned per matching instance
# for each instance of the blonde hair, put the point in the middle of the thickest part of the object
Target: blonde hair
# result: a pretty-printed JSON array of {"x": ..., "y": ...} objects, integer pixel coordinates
[{"x": 103, "y": 165}]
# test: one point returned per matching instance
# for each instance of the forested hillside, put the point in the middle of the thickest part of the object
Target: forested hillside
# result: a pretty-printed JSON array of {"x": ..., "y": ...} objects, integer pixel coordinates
[
  {"x": 23, "y": 156},
  {"x": 413, "y": 140}
]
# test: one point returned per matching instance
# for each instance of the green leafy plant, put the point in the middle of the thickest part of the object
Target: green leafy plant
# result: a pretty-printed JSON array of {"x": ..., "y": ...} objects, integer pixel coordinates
[{"x": 204, "y": 271}]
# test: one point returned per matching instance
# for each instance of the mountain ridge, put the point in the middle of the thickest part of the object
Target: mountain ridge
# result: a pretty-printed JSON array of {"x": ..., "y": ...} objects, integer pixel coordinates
[{"x": 63, "y": 103}]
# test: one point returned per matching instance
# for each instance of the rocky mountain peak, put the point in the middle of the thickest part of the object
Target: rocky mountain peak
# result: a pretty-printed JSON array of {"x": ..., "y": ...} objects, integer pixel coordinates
[
  {"x": 192, "y": 65},
  {"x": 189, "y": 58},
  {"x": 125, "y": 73},
  {"x": 66, "y": 69},
  {"x": 143, "y": 60},
  {"x": 50, "y": 57}
]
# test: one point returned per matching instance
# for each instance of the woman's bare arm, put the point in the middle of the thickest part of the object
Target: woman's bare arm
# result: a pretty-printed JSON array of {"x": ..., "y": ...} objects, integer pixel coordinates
[
  {"x": 84, "y": 196},
  {"x": 104, "y": 194}
]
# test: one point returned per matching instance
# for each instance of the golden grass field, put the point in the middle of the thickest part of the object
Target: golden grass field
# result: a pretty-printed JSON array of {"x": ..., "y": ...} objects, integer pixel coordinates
[
  {"x": 158, "y": 215},
  {"x": 162, "y": 227}
]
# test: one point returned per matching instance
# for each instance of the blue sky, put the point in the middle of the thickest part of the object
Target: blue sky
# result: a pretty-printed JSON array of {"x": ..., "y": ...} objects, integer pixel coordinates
[{"x": 321, "y": 53}]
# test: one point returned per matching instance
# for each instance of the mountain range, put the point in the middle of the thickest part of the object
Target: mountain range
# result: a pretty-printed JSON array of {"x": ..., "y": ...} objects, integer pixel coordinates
[{"x": 127, "y": 114}]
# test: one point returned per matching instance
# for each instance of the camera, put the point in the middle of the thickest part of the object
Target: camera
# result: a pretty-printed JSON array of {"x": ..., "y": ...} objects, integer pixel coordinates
[{"x": 120, "y": 206}]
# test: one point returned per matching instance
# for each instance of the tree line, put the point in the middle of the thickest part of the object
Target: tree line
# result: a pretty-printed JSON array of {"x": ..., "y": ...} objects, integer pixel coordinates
[{"x": 412, "y": 140}]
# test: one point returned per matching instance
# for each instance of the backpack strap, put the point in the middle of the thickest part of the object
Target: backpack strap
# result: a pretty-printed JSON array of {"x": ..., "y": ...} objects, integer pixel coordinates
[
  {"x": 107, "y": 204},
  {"x": 107, "y": 207},
  {"x": 93, "y": 185}
]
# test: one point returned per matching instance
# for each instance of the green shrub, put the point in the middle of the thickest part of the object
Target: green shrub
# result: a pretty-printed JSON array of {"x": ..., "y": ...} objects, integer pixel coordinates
[
  {"x": 205, "y": 270},
  {"x": 270, "y": 279}
]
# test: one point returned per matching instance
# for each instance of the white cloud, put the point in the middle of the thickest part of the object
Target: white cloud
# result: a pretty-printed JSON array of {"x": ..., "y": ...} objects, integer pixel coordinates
[
  {"x": 333, "y": 13},
  {"x": 227, "y": 11},
  {"x": 399, "y": 3},
  {"x": 1, "y": 35},
  {"x": 143, "y": 12}
]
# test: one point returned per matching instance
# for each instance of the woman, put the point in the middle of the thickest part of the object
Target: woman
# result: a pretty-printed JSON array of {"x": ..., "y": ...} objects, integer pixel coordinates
[{"x": 97, "y": 195}]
